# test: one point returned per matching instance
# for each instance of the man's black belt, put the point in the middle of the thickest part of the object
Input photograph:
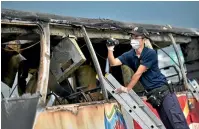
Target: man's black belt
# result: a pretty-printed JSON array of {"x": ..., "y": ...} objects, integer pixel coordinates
[
  {"x": 159, "y": 89},
  {"x": 156, "y": 96}
]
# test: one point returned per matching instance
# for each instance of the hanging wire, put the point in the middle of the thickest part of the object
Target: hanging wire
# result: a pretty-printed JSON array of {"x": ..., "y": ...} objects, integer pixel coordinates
[
  {"x": 2, "y": 95},
  {"x": 6, "y": 43},
  {"x": 13, "y": 90},
  {"x": 100, "y": 56},
  {"x": 22, "y": 48},
  {"x": 165, "y": 52},
  {"x": 82, "y": 46},
  {"x": 40, "y": 28}
]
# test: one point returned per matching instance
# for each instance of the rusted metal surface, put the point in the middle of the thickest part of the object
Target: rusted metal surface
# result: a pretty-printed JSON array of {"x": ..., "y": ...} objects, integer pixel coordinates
[
  {"x": 44, "y": 67},
  {"x": 71, "y": 106},
  {"x": 87, "y": 116},
  {"x": 8, "y": 14}
]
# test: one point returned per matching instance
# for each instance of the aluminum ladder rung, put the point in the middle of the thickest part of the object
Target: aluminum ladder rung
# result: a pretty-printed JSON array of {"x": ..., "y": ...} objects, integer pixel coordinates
[{"x": 194, "y": 88}]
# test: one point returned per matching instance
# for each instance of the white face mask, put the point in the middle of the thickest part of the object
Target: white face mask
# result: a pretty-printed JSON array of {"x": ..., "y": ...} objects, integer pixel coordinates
[{"x": 135, "y": 44}]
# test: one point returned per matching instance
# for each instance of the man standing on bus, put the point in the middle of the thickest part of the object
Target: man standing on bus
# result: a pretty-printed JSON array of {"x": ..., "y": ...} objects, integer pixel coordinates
[{"x": 144, "y": 62}]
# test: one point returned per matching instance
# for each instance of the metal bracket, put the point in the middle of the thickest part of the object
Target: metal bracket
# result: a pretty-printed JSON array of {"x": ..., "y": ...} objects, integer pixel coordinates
[{"x": 72, "y": 36}]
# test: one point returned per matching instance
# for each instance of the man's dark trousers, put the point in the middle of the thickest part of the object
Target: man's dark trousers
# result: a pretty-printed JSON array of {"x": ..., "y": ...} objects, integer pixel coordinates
[{"x": 171, "y": 113}]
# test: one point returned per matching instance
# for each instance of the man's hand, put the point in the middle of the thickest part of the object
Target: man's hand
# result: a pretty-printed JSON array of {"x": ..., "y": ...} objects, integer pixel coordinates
[
  {"x": 122, "y": 89},
  {"x": 111, "y": 43},
  {"x": 111, "y": 48}
]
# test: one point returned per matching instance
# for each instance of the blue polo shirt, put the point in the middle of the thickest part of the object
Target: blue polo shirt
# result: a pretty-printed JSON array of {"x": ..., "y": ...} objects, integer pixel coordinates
[{"x": 150, "y": 79}]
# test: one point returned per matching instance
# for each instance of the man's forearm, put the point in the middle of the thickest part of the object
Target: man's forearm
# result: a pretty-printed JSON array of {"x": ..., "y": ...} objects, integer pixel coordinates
[
  {"x": 133, "y": 81},
  {"x": 111, "y": 57}
]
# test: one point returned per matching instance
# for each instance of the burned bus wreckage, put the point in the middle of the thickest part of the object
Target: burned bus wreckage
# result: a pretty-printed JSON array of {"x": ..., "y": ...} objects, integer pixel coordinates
[{"x": 53, "y": 70}]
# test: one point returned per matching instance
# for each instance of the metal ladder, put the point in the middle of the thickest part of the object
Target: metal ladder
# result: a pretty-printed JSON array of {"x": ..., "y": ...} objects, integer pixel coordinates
[
  {"x": 132, "y": 103},
  {"x": 194, "y": 88}
]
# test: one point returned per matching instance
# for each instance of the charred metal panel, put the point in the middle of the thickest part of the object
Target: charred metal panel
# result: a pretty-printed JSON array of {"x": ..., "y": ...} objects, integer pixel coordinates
[
  {"x": 103, "y": 34},
  {"x": 19, "y": 113},
  {"x": 191, "y": 50},
  {"x": 61, "y": 90},
  {"x": 193, "y": 70},
  {"x": 62, "y": 31},
  {"x": 9, "y": 15},
  {"x": 66, "y": 58}
]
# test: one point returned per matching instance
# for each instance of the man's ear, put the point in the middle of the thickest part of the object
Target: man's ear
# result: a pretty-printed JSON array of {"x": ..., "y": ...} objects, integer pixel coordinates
[
  {"x": 148, "y": 43},
  {"x": 143, "y": 41}
]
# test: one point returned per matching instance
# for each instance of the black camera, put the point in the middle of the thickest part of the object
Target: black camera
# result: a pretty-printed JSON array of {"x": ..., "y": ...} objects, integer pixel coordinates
[{"x": 112, "y": 42}]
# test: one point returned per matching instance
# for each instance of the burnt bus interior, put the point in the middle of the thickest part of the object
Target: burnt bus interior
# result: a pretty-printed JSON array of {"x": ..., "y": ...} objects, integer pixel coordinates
[{"x": 72, "y": 76}]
